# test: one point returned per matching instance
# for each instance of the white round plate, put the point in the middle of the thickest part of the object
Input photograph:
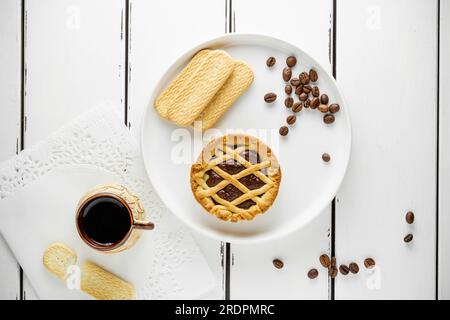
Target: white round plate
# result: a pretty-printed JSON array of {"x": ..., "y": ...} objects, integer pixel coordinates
[{"x": 308, "y": 184}]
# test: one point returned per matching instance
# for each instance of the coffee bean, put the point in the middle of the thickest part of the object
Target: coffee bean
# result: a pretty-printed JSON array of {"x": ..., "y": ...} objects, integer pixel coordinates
[
  {"x": 333, "y": 272},
  {"x": 323, "y": 108},
  {"x": 315, "y": 102},
  {"x": 288, "y": 102},
  {"x": 353, "y": 267},
  {"x": 295, "y": 82},
  {"x": 271, "y": 61},
  {"x": 333, "y": 262},
  {"x": 313, "y": 75},
  {"x": 287, "y": 74},
  {"x": 315, "y": 91},
  {"x": 369, "y": 263},
  {"x": 324, "y": 99},
  {"x": 334, "y": 108},
  {"x": 304, "y": 78},
  {"x": 307, "y": 103},
  {"x": 297, "y": 107},
  {"x": 408, "y": 238},
  {"x": 303, "y": 96},
  {"x": 299, "y": 90},
  {"x": 326, "y": 157},
  {"x": 324, "y": 260},
  {"x": 270, "y": 97},
  {"x": 307, "y": 89},
  {"x": 291, "y": 119},
  {"x": 344, "y": 269},
  {"x": 288, "y": 89},
  {"x": 277, "y": 263},
  {"x": 328, "y": 118},
  {"x": 284, "y": 131},
  {"x": 313, "y": 273},
  {"x": 291, "y": 61},
  {"x": 409, "y": 217}
]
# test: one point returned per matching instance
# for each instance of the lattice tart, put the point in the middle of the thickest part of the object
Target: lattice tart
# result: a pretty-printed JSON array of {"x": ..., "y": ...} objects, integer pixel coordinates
[{"x": 236, "y": 177}]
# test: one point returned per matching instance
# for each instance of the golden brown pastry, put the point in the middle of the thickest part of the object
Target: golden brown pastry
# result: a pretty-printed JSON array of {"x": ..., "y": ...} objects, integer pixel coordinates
[{"x": 236, "y": 177}]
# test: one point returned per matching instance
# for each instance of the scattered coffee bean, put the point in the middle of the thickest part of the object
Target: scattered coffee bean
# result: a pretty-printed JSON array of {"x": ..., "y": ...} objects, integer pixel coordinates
[
  {"x": 288, "y": 89},
  {"x": 270, "y": 97},
  {"x": 334, "y": 108},
  {"x": 297, "y": 107},
  {"x": 277, "y": 263},
  {"x": 408, "y": 238},
  {"x": 295, "y": 82},
  {"x": 328, "y": 118},
  {"x": 313, "y": 273},
  {"x": 287, "y": 74},
  {"x": 308, "y": 103},
  {"x": 325, "y": 260},
  {"x": 284, "y": 131},
  {"x": 323, "y": 108},
  {"x": 333, "y": 272},
  {"x": 299, "y": 90},
  {"x": 291, "y": 119},
  {"x": 326, "y": 157},
  {"x": 324, "y": 99},
  {"x": 291, "y": 61},
  {"x": 288, "y": 102},
  {"x": 304, "y": 78},
  {"x": 409, "y": 217},
  {"x": 313, "y": 75},
  {"x": 353, "y": 267},
  {"x": 369, "y": 263},
  {"x": 303, "y": 96},
  {"x": 315, "y": 91},
  {"x": 315, "y": 102},
  {"x": 307, "y": 89},
  {"x": 271, "y": 61},
  {"x": 344, "y": 269}
]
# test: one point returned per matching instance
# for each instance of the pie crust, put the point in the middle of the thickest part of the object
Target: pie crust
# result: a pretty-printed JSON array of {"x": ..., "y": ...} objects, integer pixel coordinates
[{"x": 236, "y": 177}]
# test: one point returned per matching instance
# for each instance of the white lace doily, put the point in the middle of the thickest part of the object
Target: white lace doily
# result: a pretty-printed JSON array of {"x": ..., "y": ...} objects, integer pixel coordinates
[{"x": 99, "y": 139}]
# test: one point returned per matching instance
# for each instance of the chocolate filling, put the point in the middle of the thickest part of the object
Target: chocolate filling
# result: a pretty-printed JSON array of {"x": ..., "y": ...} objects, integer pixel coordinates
[
  {"x": 252, "y": 182},
  {"x": 231, "y": 166},
  {"x": 213, "y": 178}
]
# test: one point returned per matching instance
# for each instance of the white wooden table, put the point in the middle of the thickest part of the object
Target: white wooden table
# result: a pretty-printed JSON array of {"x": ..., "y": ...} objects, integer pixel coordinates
[{"x": 391, "y": 58}]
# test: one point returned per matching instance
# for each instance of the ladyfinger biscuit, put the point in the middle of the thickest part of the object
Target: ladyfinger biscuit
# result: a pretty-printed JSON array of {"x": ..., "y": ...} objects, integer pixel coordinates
[
  {"x": 202, "y": 86},
  {"x": 104, "y": 285},
  {"x": 169, "y": 95},
  {"x": 57, "y": 258},
  {"x": 234, "y": 87}
]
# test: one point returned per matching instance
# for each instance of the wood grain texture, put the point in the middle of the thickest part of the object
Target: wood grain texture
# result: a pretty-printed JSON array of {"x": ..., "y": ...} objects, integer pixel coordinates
[
  {"x": 386, "y": 67},
  {"x": 155, "y": 42},
  {"x": 74, "y": 61},
  {"x": 10, "y": 105},
  {"x": 444, "y": 153},
  {"x": 252, "y": 273}
]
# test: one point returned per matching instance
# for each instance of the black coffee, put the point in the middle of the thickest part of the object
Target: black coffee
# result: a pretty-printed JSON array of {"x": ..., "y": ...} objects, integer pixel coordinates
[{"x": 104, "y": 220}]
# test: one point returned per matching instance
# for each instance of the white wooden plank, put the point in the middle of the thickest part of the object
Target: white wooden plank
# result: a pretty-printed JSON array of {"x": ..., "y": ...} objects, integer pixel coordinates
[
  {"x": 444, "y": 153},
  {"x": 306, "y": 24},
  {"x": 253, "y": 275},
  {"x": 386, "y": 66},
  {"x": 74, "y": 59},
  {"x": 10, "y": 104},
  {"x": 160, "y": 31}
]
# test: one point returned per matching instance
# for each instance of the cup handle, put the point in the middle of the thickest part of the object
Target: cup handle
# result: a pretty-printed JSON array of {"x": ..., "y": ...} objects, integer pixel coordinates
[{"x": 144, "y": 225}]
